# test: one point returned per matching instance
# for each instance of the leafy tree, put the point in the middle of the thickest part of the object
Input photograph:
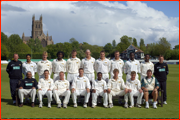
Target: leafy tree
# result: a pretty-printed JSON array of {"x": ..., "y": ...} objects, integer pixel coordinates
[
  {"x": 67, "y": 49},
  {"x": 176, "y": 47},
  {"x": 142, "y": 45},
  {"x": 35, "y": 45},
  {"x": 72, "y": 40},
  {"x": 134, "y": 42},
  {"x": 15, "y": 39},
  {"x": 108, "y": 47},
  {"x": 22, "y": 48},
  {"x": 4, "y": 52},
  {"x": 114, "y": 43},
  {"x": 163, "y": 46},
  {"x": 4, "y": 39}
]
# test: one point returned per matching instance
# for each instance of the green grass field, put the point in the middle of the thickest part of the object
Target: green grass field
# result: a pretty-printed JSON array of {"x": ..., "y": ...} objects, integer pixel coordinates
[{"x": 171, "y": 110}]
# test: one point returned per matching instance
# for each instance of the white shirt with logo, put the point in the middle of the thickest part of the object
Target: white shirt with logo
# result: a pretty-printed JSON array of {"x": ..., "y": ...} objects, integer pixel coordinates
[
  {"x": 117, "y": 64},
  {"x": 103, "y": 66},
  {"x": 132, "y": 66},
  {"x": 73, "y": 65},
  {"x": 88, "y": 65},
  {"x": 44, "y": 65},
  {"x": 32, "y": 67},
  {"x": 58, "y": 66}
]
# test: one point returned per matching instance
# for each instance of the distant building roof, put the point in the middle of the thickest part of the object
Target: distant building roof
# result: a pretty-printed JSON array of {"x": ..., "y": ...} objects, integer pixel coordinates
[{"x": 26, "y": 38}]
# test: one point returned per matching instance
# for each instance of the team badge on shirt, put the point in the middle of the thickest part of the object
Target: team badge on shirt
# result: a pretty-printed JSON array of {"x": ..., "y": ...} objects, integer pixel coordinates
[
  {"x": 164, "y": 66},
  {"x": 76, "y": 62},
  {"x": 136, "y": 64},
  {"x": 48, "y": 65},
  {"x": 32, "y": 81},
  {"x": 119, "y": 82},
  {"x": 135, "y": 84},
  {"x": 84, "y": 81},
  {"x": 19, "y": 64},
  {"x": 31, "y": 66},
  {"x": 119, "y": 63}
]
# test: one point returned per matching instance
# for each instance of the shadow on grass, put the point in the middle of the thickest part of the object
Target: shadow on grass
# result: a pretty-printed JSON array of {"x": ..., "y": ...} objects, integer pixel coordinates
[{"x": 7, "y": 101}]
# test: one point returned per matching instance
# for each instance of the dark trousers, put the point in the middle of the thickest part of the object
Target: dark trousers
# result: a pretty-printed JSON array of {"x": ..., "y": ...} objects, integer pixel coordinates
[
  {"x": 13, "y": 86},
  {"x": 162, "y": 86}
]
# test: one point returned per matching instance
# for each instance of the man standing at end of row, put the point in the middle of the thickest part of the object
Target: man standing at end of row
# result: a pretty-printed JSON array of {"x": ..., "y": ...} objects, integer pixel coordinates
[
  {"x": 146, "y": 65},
  {"x": 44, "y": 64},
  {"x": 14, "y": 69},
  {"x": 72, "y": 66},
  {"x": 58, "y": 65},
  {"x": 117, "y": 63},
  {"x": 132, "y": 65},
  {"x": 103, "y": 65},
  {"x": 88, "y": 64}
]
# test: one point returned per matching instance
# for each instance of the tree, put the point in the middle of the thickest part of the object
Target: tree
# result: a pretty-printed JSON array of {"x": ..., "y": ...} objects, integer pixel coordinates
[
  {"x": 72, "y": 40},
  {"x": 4, "y": 39},
  {"x": 163, "y": 46},
  {"x": 114, "y": 43},
  {"x": 108, "y": 47},
  {"x": 142, "y": 45},
  {"x": 4, "y": 52},
  {"x": 15, "y": 39},
  {"x": 134, "y": 42},
  {"x": 67, "y": 49},
  {"x": 176, "y": 47},
  {"x": 35, "y": 45},
  {"x": 22, "y": 48}
]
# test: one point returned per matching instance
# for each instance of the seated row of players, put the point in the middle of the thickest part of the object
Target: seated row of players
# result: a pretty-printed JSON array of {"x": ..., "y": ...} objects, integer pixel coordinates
[{"x": 81, "y": 86}]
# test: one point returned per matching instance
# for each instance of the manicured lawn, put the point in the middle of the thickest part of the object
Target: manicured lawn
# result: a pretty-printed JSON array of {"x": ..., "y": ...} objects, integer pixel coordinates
[{"x": 171, "y": 110}]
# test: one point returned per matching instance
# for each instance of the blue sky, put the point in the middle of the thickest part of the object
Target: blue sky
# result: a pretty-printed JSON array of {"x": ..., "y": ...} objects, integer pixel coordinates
[{"x": 95, "y": 22}]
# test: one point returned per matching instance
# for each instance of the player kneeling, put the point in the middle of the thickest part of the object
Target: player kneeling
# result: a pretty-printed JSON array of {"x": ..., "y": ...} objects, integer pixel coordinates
[
  {"x": 150, "y": 86},
  {"x": 99, "y": 88},
  {"x": 27, "y": 86},
  {"x": 80, "y": 86},
  {"x": 116, "y": 87},
  {"x": 134, "y": 89},
  {"x": 45, "y": 87},
  {"x": 61, "y": 88}
]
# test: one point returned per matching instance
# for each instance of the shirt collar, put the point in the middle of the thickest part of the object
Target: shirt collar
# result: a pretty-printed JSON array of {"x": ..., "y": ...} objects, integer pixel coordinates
[
  {"x": 116, "y": 60},
  {"x": 58, "y": 60},
  {"x": 87, "y": 59},
  {"x": 73, "y": 58},
  {"x": 81, "y": 77},
  {"x": 28, "y": 63},
  {"x": 42, "y": 61},
  {"x": 132, "y": 60},
  {"x": 103, "y": 60}
]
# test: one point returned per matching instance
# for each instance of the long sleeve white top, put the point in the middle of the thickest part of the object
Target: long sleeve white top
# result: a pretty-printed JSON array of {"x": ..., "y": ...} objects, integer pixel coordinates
[
  {"x": 99, "y": 85},
  {"x": 81, "y": 83},
  {"x": 132, "y": 66},
  {"x": 32, "y": 67},
  {"x": 117, "y": 64},
  {"x": 146, "y": 66},
  {"x": 46, "y": 84},
  {"x": 134, "y": 85},
  {"x": 44, "y": 65},
  {"x": 102, "y": 66},
  {"x": 73, "y": 65},
  {"x": 58, "y": 66},
  {"x": 116, "y": 85},
  {"x": 88, "y": 65},
  {"x": 61, "y": 85}
]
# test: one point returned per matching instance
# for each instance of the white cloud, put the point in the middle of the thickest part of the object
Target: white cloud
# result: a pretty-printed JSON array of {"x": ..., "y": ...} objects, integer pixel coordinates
[{"x": 92, "y": 22}]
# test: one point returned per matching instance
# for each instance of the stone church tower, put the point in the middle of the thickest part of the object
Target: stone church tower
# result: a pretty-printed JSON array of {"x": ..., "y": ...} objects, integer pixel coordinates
[{"x": 37, "y": 32}]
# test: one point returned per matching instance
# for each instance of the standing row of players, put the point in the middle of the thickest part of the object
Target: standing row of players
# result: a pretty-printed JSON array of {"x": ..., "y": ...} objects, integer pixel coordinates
[{"x": 89, "y": 65}]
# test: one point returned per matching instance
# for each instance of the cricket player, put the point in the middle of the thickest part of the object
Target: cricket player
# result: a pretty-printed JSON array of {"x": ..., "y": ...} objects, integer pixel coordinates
[
  {"x": 80, "y": 86},
  {"x": 45, "y": 87},
  {"x": 99, "y": 88},
  {"x": 160, "y": 72},
  {"x": 88, "y": 64},
  {"x": 44, "y": 64},
  {"x": 146, "y": 65},
  {"x": 61, "y": 88},
  {"x": 132, "y": 65},
  {"x": 72, "y": 66},
  {"x": 58, "y": 65},
  {"x": 14, "y": 69},
  {"x": 134, "y": 89},
  {"x": 29, "y": 66},
  {"x": 116, "y": 87},
  {"x": 27, "y": 86},
  {"x": 103, "y": 65},
  {"x": 117, "y": 63},
  {"x": 150, "y": 86}
]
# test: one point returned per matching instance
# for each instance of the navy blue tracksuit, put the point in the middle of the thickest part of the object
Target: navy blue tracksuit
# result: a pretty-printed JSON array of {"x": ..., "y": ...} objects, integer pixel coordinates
[{"x": 14, "y": 69}]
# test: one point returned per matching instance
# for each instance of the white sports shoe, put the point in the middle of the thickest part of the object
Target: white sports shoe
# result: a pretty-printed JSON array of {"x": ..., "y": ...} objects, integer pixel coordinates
[
  {"x": 40, "y": 105},
  {"x": 126, "y": 105},
  {"x": 147, "y": 106},
  {"x": 64, "y": 105},
  {"x": 131, "y": 106},
  {"x": 85, "y": 105},
  {"x": 165, "y": 102},
  {"x": 138, "y": 105},
  {"x": 49, "y": 104},
  {"x": 75, "y": 105},
  {"x": 93, "y": 106},
  {"x": 111, "y": 105},
  {"x": 154, "y": 106},
  {"x": 105, "y": 106},
  {"x": 59, "y": 105}
]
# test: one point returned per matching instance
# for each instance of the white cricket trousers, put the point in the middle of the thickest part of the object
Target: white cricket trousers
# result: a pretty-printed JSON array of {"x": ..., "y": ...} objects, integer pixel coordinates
[
  {"x": 99, "y": 93},
  {"x": 56, "y": 76},
  {"x": 43, "y": 92},
  {"x": 57, "y": 93},
  {"x": 105, "y": 77},
  {"x": 90, "y": 76},
  {"x": 115, "y": 93},
  {"x": 82, "y": 93},
  {"x": 128, "y": 76},
  {"x": 131, "y": 94},
  {"x": 31, "y": 92}
]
